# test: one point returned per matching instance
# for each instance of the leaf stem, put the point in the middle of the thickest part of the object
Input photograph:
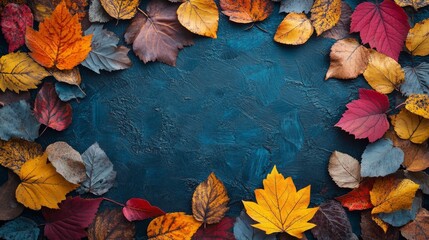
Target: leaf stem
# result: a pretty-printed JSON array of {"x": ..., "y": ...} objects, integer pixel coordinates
[
  {"x": 262, "y": 29},
  {"x": 144, "y": 13},
  {"x": 113, "y": 201},
  {"x": 46, "y": 127}
]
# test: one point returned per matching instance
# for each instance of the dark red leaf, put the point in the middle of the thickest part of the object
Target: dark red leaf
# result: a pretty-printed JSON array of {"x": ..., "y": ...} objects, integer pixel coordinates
[
  {"x": 366, "y": 117},
  {"x": 139, "y": 209},
  {"x": 14, "y": 20},
  {"x": 384, "y": 26},
  {"x": 358, "y": 199},
  {"x": 219, "y": 231},
  {"x": 70, "y": 221},
  {"x": 50, "y": 110}
]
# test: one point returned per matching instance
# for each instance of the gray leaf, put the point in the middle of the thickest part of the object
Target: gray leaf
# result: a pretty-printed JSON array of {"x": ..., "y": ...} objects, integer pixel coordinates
[
  {"x": 243, "y": 229},
  {"x": 67, "y": 92},
  {"x": 381, "y": 158},
  {"x": 20, "y": 228},
  {"x": 96, "y": 12},
  {"x": 401, "y": 217},
  {"x": 416, "y": 80},
  {"x": 99, "y": 171},
  {"x": 18, "y": 121},
  {"x": 297, "y": 6},
  {"x": 105, "y": 54}
]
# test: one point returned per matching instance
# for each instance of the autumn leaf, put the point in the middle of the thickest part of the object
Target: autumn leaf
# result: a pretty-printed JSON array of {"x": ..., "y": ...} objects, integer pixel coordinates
[
  {"x": 14, "y": 20},
  {"x": 296, "y": 6},
  {"x": 342, "y": 29},
  {"x": 173, "y": 226},
  {"x": 401, "y": 217},
  {"x": 416, "y": 4},
  {"x": 411, "y": 127},
  {"x": 418, "y": 104},
  {"x": 109, "y": 225},
  {"x": 9, "y": 97},
  {"x": 246, "y": 11},
  {"x": 15, "y": 152},
  {"x": 219, "y": 231},
  {"x": 159, "y": 35},
  {"x": 71, "y": 77},
  {"x": 59, "y": 42},
  {"x": 349, "y": 59},
  {"x": 421, "y": 178},
  {"x": 44, "y": 8},
  {"x": 417, "y": 41},
  {"x": 199, "y": 16},
  {"x": 243, "y": 229},
  {"x": 280, "y": 208},
  {"x": 18, "y": 122},
  {"x": 416, "y": 80},
  {"x": 19, "y": 229},
  {"x": 381, "y": 158},
  {"x": 210, "y": 200},
  {"x": 384, "y": 26},
  {"x": 325, "y": 14},
  {"x": 18, "y": 72},
  {"x": 9, "y": 207},
  {"x": 71, "y": 219},
  {"x": 41, "y": 184},
  {"x": 96, "y": 12},
  {"x": 50, "y": 110},
  {"x": 390, "y": 194},
  {"x": 358, "y": 198},
  {"x": 419, "y": 228},
  {"x": 140, "y": 209},
  {"x": 344, "y": 170},
  {"x": 366, "y": 117},
  {"x": 295, "y": 29},
  {"x": 371, "y": 231},
  {"x": 383, "y": 73},
  {"x": 120, "y": 9},
  {"x": 67, "y": 92}
]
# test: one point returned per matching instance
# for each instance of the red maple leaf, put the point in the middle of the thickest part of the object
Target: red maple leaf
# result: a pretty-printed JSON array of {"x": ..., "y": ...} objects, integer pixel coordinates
[
  {"x": 140, "y": 209},
  {"x": 50, "y": 110},
  {"x": 14, "y": 21},
  {"x": 384, "y": 26},
  {"x": 70, "y": 221},
  {"x": 366, "y": 117},
  {"x": 219, "y": 231},
  {"x": 359, "y": 198}
]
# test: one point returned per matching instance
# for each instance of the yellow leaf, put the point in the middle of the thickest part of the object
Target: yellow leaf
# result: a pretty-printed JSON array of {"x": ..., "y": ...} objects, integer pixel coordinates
[
  {"x": 416, "y": 4},
  {"x": 210, "y": 200},
  {"x": 15, "y": 152},
  {"x": 325, "y": 14},
  {"x": 417, "y": 40},
  {"x": 383, "y": 73},
  {"x": 295, "y": 29},
  {"x": 280, "y": 208},
  {"x": 18, "y": 72},
  {"x": 390, "y": 194},
  {"x": 199, "y": 16},
  {"x": 418, "y": 104},
  {"x": 380, "y": 223},
  {"x": 59, "y": 42},
  {"x": 41, "y": 184},
  {"x": 173, "y": 226},
  {"x": 411, "y": 127},
  {"x": 120, "y": 9}
]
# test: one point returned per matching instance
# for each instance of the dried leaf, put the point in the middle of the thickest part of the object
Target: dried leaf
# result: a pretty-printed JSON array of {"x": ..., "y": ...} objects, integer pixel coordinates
[
  {"x": 18, "y": 122},
  {"x": 411, "y": 127},
  {"x": 14, "y": 20},
  {"x": 120, "y": 9},
  {"x": 381, "y": 158},
  {"x": 296, "y": 6},
  {"x": 349, "y": 59},
  {"x": 358, "y": 199},
  {"x": 111, "y": 225},
  {"x": 140, "y": 209},
  {"x": 96, "y": 12},
  {"x": 419, "y": 228},
  {"x": 41, "y": 184},
  {"x": 210, "y": 200},
  {"x": 20, "y": 228},
  {"x": 280, "y": 208},
  {"x": 416, "y": 4},
  {"x": 18, "y": 72},
  {"x": 371, "y": 231},
  {"x": 219, "y": 231},
  {"x": 173, "y": 226},
  {"x": 342, "y": 29},
  {"x": 401, "y": 217},
  {"x": 59, "y": 42},
  {"x": 325, "y": 14},
  {"x": 15, "y": 152},
  {"x": 295, "y": 29},
  {"x": 67, "y": 76},
  {"x": 9, "y": 207},
  {"x": 243, "y": 229},
  {"x": 246, "y": 11},
  {"x": 44, "y": 8},
  {"x": 159, "y": 35},
  {"x": 344, "y": 170},
  {"x": 418, "y": 104},
  {"x": 417, "y": 41},
  {"x": 9, "y": 97},
  {"x": 199, "y": 16}
]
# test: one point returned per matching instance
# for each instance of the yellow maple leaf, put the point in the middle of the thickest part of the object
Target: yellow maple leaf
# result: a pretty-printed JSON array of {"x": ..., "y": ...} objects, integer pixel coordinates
[
  {"x": 417, "y": 40},
  {"x": 280, "y": 207},
  {"x": 411, "y": 127},
  {"x": 390, "y": 194},
  {"x": 295, "y": 29},
  {"x": 418, "y": 104},
  {"x": 41, "y": 185},
  {"x": 325, "y": 14},
  {"x": 59, "y": 42},
  {"x": 120, "y": 9},
  {"x": 173, "y": 226},
  {"x": 199, "y": 16}
]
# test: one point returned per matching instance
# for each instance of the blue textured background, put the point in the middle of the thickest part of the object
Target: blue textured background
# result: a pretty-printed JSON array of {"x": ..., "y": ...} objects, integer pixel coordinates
[{"x": 236, "y": 105}]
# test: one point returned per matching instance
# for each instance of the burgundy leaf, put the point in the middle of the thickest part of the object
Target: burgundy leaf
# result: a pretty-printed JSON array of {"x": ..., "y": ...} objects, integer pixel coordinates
[
  {"x": 14, "y": 21},
  {"x": 219, "y": 231},
  {"x": 139, "y": 209}
]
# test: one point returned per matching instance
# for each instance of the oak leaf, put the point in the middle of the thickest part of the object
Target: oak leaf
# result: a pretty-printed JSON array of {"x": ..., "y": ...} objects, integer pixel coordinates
[
  {"x": 411, "y": 127},
  {"x": 416, "y": 4},
  {"x": 17, "y": 121},
  {"x": 173, "y": 226},
  {"x": 14, "y": 21},
  {"x": 358, "y": 198},
  {"x": 344, "y": 170},
  {"x": 342, "y": 29},
  {"x": 417, "y": 41},
  {"x": 18, "y": 72},
  {"x": 280, "y": 207},
  {"x": 381, "y": 158},
  {"x": 120, "y": 9},
  {"x": 219, "y": 231},
  {"x": 9, "y": 207},
  {"x": 159, "y": 35},
  {"x": 419, "y": 228},
  {"x": 41, "y": 184},
  {"x": 296, "y": 6},
  {"x": 349, "y": 59},
  {"x": 59, "y": 42},
  {"x": 246, "y": 11},
  {"x": 384, "y": 26},
  {"x": 416, "y": 80},
  {"x": 295, "y": 29},
  {"x": 111, "y": 225},
  {"x": 140, "y": 209},
  {"x": 15, "y": 152},
  {"x": 418, "y": 104},
  {"x": 371, "y": 231},
  {"x": 325, "y": 14},
  {"x": 199, "y": 16},
  {"x": 210, "y": 200}
]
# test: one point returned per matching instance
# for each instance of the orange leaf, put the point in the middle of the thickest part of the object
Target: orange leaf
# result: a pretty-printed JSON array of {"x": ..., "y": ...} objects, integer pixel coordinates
[
  {"x": 173, "y": 226},
  {"x": 59, "y": 42},
  {"x": 246, "y": 11}
]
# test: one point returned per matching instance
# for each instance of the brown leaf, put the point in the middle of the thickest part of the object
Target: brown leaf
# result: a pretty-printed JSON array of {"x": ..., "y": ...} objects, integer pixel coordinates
[
  {"x": 159, "y": 35},
  {"x": 344, "y": 170},
  {"x": 9, "y": 207},
  {"x": 67, "y": 162},
  {"x": 210, "y": 200},
  {"x": 15, "y": 152},
  {"x": 371, "y": 231},
  {"x": 342, "y": 29},
  {"x": 348, "y": 59},
  {"x": 67, "y": 76},
  {"x": 111, "y": 225},
  {"x": 419, "y": 228}
]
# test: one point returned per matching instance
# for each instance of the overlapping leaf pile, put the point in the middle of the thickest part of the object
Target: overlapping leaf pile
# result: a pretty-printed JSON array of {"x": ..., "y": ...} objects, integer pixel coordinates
[{"x": 388, "y": 184}]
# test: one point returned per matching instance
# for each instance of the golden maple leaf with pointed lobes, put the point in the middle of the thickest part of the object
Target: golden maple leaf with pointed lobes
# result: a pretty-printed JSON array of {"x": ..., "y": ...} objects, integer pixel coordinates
[{"x": 280, "y": 207}]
